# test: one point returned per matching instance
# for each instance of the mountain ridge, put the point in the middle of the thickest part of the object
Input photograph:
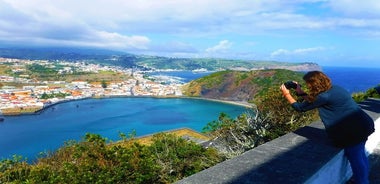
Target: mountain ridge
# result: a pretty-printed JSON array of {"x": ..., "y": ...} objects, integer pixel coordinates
[{"x": 145, "y": 62}]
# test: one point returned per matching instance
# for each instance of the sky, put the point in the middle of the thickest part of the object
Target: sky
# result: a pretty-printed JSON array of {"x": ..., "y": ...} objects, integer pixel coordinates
[{"x": 327, "y": 32}]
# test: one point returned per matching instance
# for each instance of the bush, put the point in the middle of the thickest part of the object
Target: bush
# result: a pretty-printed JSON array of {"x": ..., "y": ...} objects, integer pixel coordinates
[
  {"x": 94, "y": 161},
  {"x": 178, "y": 158},
  {"x": 281, "y": 116},
  {"x": 232, "y": 137},
  {"x": 370, "y": 93}
]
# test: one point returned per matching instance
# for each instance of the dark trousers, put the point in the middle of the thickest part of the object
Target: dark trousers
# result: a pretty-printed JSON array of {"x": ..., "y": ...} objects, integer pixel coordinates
[{"x": 357, "y": 157}]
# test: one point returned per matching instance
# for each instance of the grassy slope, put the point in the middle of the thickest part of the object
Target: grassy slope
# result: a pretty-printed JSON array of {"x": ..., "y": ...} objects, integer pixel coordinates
[{"x": 239, "y": 85}]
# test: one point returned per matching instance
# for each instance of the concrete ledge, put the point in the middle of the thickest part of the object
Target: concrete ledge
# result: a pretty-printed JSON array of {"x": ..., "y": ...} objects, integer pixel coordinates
[{"x": 303, "y": 156}]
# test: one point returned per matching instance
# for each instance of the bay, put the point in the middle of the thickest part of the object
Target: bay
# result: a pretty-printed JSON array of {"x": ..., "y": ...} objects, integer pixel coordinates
[
  {"x": 29, "y": 135},
  {"x": 179, "y": 76}
]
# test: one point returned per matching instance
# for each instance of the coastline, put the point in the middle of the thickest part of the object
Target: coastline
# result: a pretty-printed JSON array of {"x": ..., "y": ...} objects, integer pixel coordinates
[
  {"x": 36, "y": 111},
  {"x": 239, "y": 103},
  {"x": 184, "y": 132},
  {"x": 47, "y": 106}
]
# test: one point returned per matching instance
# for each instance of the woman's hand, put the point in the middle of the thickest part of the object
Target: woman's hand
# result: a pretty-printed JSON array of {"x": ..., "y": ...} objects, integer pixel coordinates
[
  {"x": 286, "y": 94},
  {"x": 284, "y": 90}
]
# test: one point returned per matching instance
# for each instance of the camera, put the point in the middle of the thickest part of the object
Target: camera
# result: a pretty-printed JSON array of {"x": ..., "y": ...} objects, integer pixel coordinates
[{"x": 290, "y": 85}]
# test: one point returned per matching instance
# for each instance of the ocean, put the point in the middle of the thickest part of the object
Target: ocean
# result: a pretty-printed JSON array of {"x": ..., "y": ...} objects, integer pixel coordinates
[
  {"x": 353, "y": 79},
  {"x": 30, "y": 135}
]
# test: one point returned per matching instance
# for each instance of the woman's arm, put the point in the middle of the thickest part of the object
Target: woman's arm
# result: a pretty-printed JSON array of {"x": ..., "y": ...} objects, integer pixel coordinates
[
  {"x": 287, "y": 95},
  {"x": 301, "y": 107}
]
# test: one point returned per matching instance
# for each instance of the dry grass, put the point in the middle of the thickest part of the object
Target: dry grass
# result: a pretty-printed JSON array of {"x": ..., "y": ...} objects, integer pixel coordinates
[{"x": 185, "y": 133}]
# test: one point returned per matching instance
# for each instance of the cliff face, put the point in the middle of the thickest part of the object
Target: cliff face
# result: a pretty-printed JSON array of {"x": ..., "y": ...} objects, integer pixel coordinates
[
  {"x": 239, "y": 85},
  {"x": 303, "y": 67},
  {"x": 295, "y": 67}
]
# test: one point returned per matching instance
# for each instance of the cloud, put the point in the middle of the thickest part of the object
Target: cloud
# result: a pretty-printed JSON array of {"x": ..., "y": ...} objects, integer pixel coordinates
[
  {"x": 184, "y": 17},
  {"x": 307, "y": 50},
  {"x": 187, "y": 27},
  {"x": 280, "y": 52},
  {"x": 116, "y": 14},
  {"x": 284, "y": 52},
  {"x": 358, "y": 9},
  {"x": 222, "y": 46},
  {"x": 115, "y": 40}
]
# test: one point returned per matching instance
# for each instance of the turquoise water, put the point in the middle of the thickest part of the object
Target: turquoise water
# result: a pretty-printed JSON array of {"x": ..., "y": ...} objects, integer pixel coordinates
[{"x": 31, "y": 134}]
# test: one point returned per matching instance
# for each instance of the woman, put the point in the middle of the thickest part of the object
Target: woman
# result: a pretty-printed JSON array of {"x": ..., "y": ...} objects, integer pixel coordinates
[{"x": 346, "y": 124}]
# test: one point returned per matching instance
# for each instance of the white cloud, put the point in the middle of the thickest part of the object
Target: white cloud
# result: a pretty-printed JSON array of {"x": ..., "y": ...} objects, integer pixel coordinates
[
  {"x": 222, "y": 46},
  {"x": 285, "y": 52},
  {"x": 279, "y": 52},
  {"x": 183, "y": 17},
  {"x": 307, "y": 50},
  {"x": 115, "y": 40},
  {"x": 188, "y": 26},
  {"x": 367, "y": 8}
]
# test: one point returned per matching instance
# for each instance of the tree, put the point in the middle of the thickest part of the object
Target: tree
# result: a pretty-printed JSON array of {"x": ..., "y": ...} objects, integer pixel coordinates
[{"x": 104, "y": 84}]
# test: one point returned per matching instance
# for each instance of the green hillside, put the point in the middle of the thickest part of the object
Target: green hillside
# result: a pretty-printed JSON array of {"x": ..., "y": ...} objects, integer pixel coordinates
[
  {"x": 145, "y": 62},
  {"x": 215, "y": 64},
  {"x": 239, "y": 85}
]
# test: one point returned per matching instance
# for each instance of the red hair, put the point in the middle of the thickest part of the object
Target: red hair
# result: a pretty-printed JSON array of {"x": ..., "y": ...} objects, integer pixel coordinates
[{"x": 317, "y": 83}]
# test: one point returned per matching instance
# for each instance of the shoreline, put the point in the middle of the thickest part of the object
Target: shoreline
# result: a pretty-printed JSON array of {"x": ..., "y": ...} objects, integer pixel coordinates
[
  {"x": 45, "y": 107},
  {"x": 238, "y": 103}
]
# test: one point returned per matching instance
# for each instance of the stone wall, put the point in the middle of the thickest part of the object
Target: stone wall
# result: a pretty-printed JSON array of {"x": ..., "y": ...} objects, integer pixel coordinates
[{"x": 303, "y": 156}]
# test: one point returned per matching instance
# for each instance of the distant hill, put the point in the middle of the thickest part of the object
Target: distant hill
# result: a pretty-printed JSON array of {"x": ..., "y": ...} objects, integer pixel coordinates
[
  {"x": 122, "y": 59},
  {"x": 239, "y": 85}
]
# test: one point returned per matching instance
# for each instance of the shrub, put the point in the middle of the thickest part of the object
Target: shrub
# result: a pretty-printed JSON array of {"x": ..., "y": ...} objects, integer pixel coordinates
[
  {"x": 178, "y": 158},
  {"x": 370, "y": 93},
  {"x": 281, "y": 116},
  {"x": 92, "y": 160},
  {"x": 270, "y": 118},
  {"x": 232, "y": 137}
]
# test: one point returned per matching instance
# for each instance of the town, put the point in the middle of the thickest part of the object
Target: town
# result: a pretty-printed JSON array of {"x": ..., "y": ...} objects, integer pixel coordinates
[{"x": 34, "y": 95}]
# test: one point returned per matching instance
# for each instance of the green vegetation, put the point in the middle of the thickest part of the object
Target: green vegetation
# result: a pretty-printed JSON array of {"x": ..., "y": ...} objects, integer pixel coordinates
[
  {"x": 166, "y": 160},
  {"x": 370, "y": 93},
  {"x": 272, "y": 117},
  {"x": 104, "y": 84},
  {"x": 51, "y": 72},
  {"x": 211, "y": 64},
  {"x": 41, "y": 69},
  {"x": 232, "y": 137},
  {"x": 112, "y": 58},
  {"x": 239, "y": 85},
  {"x": 282, "y": 117},
  {"x": 54, "y": 95}
]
